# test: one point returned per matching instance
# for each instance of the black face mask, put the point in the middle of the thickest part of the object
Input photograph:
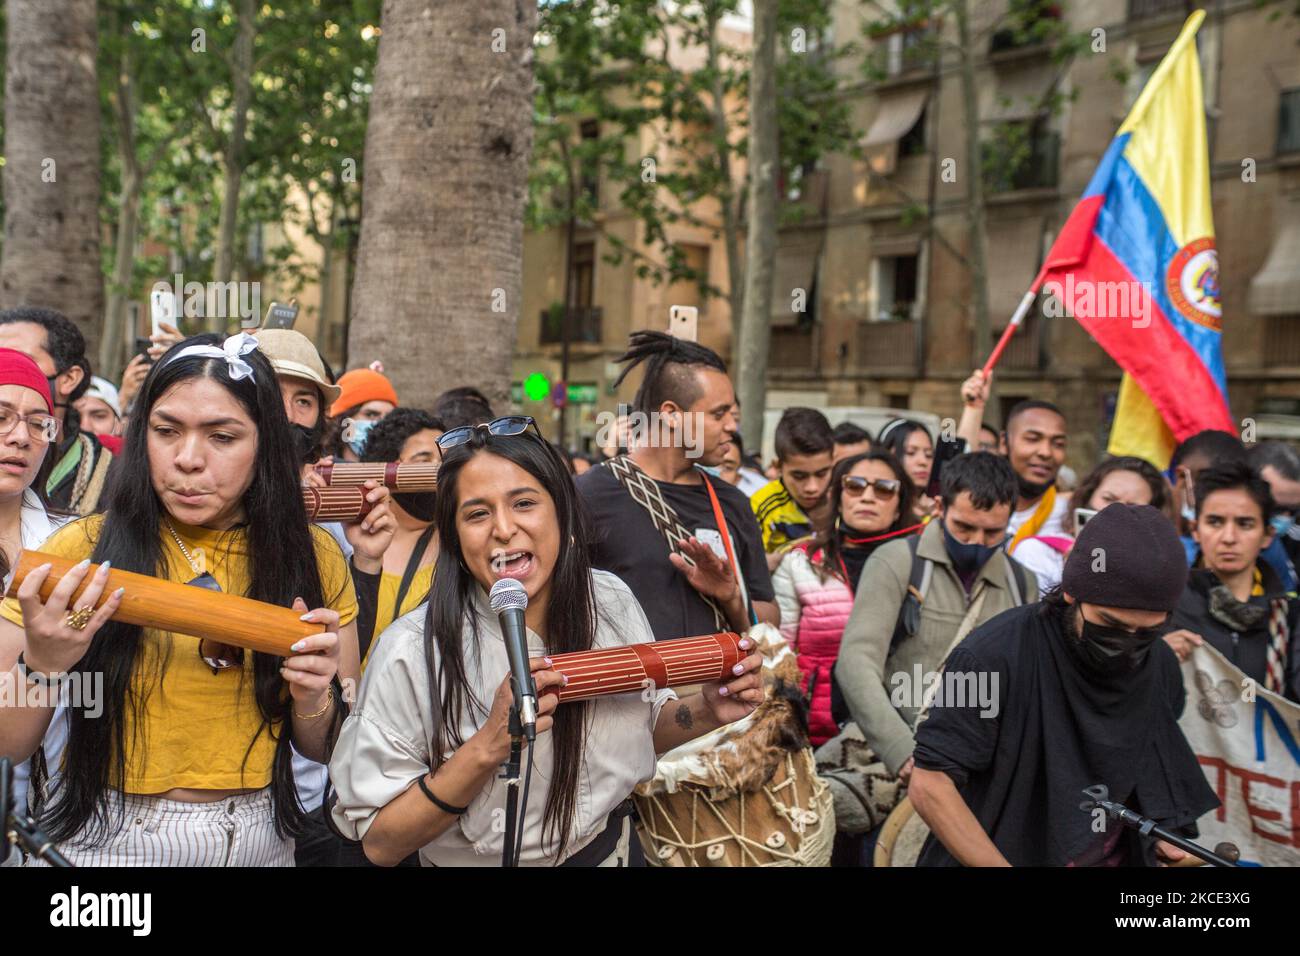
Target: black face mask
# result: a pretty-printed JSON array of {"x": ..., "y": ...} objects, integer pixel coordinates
[
  {"x": 418, "y": 504},
  {"x": 306, "y": 441},
  {"x": 966, "y": 558},
  {"x": 1029, "y": 490},
  {"x": 1112, "y": 651}
]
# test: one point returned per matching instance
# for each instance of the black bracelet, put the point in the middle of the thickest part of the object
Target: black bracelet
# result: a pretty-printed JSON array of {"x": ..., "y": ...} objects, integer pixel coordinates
[
  {"x": 444, "y": 807},
  {"x": 36, "y": 677}
]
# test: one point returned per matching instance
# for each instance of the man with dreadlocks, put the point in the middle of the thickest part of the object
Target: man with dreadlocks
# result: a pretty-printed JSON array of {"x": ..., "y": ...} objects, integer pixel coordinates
[{"x": 687, "y": 544}]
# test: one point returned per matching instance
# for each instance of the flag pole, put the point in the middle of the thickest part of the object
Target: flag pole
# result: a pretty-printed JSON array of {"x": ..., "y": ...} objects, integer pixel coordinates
[{"x": 1017, "y": 320}]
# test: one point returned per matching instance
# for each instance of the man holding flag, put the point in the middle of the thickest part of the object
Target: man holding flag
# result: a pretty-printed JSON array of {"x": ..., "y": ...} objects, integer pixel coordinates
[{"x": 1136, "y": 265}]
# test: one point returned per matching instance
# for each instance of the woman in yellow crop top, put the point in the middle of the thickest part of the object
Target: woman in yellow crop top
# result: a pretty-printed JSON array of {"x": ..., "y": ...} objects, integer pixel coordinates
[{"x": 185, "y": 757}]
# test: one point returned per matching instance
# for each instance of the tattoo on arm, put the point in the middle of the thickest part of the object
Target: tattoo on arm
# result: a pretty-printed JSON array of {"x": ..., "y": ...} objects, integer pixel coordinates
[{"x": 683, "y": 717}]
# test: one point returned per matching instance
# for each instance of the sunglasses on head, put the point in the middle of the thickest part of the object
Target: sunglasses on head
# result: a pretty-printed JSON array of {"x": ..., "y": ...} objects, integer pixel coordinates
[
  {"x": 855, "y": 485},
  {"x": 506, "y": 427}
]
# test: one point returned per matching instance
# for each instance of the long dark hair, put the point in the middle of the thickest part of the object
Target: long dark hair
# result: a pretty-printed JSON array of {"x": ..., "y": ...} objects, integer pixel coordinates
[
  {"x": 131, "y": 537},
  {"x": 828, "y": 539},
  {"x": 894, "y": 436},
  {"x": 571, "y": 614}
]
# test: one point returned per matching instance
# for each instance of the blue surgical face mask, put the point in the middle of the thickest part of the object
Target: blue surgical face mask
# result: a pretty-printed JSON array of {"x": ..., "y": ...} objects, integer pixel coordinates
[
  {"x": 966, "y": 558},
  {"x": 1282, "y": 524},
  {"x": 360, "y": 430}
]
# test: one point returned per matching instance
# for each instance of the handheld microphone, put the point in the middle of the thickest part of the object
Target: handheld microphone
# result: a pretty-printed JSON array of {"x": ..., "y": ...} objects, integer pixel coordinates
[{"x": 509, "y": 599}]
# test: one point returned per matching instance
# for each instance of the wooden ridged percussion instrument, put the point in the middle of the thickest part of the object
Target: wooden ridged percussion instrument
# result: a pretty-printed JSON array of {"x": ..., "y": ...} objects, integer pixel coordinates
[
  {"x": 632, "y": 667},
  {"x": 180, "y": 608},
  {"x": 335, "y": 504},
  {"x": 394, "y": 475}
]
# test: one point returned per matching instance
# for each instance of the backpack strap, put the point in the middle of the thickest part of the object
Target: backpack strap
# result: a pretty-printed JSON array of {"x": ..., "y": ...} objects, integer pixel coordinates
[
  {"x": 1017, "y": 581},
  {"x": 918, "y": 585}
]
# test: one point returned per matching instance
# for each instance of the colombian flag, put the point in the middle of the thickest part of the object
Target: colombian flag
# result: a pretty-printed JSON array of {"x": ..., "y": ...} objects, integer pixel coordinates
[{"x": 1136, "y": 264}]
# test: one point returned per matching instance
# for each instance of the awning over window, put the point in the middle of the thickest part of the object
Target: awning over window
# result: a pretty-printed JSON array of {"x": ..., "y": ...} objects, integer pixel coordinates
[
  {"x": 796, "y": 271},
  {"x": 897, "y": 114},
  {"x": 1016, "y": 96},
  {"x": 1275, "y": 290}
]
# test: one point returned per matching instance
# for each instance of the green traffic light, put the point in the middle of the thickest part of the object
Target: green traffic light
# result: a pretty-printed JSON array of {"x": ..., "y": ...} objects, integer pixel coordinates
[{"x": 537, "y": 387}]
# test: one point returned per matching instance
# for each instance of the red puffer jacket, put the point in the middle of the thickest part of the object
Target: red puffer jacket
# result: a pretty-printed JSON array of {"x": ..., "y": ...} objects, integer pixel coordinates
[{"x": 814, "y": 611}]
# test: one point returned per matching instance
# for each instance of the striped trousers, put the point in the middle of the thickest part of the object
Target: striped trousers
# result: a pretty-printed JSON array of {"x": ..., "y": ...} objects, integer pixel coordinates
[{"x": 236, "y": 831}]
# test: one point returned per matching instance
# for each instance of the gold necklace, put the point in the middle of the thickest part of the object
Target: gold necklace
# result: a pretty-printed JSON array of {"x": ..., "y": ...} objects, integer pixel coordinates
[{"x": 195, "y": 566}]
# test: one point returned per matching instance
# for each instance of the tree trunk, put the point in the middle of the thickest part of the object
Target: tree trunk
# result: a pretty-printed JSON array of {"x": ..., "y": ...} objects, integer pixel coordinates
[
  {"x": 112, "y": 346},
  {"x": 760, "y": 243},
  {"x": 726, "y": 196},
  {"x": 439, "y": 273},
  {"x": 241, "y": 82},
  {"x": 979, "y": 282},
  {"x": 51, "y": 173}
]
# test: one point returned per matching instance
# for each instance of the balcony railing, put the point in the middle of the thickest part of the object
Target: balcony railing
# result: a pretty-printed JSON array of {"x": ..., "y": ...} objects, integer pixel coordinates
[
  {"x": 1140, "y": 9},
  {"x": 889, "y": 346},
  {"x": 1282, "y": 340},
  {"x": 1022, "y": 350},
  {"x": 584, "y": 325},
  {"x": 1035, "y": 169},
  {"x": 792, "y": 349}
]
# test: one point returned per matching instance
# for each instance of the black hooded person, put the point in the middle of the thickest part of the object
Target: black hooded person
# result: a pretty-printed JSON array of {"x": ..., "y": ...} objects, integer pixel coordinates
[{"x": 1084, "y": 692}]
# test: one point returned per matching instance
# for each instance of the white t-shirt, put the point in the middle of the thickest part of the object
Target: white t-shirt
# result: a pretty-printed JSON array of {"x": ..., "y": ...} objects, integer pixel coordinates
[
  {"x": 1045, "y": 561},
  {"x": 1055, "y": 523}
]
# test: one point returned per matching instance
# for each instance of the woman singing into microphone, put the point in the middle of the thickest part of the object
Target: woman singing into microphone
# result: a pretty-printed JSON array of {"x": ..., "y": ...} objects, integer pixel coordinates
[
  {"x": 416, "y": 766},
  {"x": 185, "y": 756}
]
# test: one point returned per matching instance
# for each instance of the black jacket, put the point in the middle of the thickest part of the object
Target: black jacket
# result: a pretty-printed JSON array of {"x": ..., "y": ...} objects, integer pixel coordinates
[{"x": 1247, "y": 650}]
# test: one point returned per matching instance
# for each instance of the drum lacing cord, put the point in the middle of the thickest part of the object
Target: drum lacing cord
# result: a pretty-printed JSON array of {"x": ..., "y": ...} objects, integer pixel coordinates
[{"x": 810, "y": 846}]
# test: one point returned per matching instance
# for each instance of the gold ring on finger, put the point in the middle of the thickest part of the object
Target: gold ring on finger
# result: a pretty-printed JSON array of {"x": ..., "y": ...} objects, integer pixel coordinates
[{"x": 78, "y": 619}]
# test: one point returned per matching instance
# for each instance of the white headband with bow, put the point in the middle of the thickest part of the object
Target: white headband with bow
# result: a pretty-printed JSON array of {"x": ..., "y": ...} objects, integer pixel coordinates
[{"x": 230, "y": 350}]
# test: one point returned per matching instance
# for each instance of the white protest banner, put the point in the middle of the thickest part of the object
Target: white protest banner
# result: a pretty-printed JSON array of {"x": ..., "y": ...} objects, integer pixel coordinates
[{"x": 1248, "y": 743}]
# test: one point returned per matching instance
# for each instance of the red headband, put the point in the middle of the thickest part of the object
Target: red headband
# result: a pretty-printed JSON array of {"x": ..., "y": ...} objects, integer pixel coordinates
[{"x": 19, "y": 369}]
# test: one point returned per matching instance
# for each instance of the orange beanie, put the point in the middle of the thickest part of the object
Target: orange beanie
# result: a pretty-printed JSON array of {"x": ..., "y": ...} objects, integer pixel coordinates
[{"x": 359, "y": 386}]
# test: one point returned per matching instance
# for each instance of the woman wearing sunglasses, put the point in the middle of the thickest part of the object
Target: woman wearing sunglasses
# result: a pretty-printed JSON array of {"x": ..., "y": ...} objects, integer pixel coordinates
[
  {"x": 871, "y": 502},
  {"x": 184, "y": 757},
  {"x": 417, "y": 766}
]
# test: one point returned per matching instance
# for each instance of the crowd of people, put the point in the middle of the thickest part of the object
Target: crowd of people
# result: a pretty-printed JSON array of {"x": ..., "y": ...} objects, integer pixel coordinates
[{"x": 379, "y": 741}]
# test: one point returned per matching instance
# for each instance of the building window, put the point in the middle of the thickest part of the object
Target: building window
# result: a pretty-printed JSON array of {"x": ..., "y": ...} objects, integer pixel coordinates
[
  {"x": 904, "y": 51},
  {"x": 1138, "y": 80},
  {"x": 1288, "y": 122},
  {"x": 1021, "y": 154},
  {"x": 896, "y": 288},
  {"x": 1282, "y": 340},
  {"x": 913, "y": 141},
  {"x": 589, "y": 175},
  {"x": 582, "y": 272}
]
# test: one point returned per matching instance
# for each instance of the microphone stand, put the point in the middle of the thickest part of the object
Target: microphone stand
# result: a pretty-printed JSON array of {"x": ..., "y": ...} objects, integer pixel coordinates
[
  {"x": 1099, "y": 796},
  {"x": 21, "y": 830},
  {"x": 510, "y": 773}
]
